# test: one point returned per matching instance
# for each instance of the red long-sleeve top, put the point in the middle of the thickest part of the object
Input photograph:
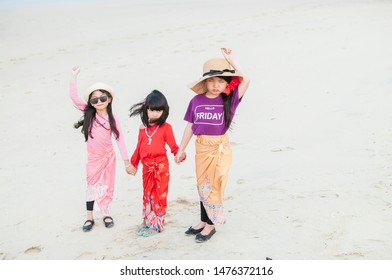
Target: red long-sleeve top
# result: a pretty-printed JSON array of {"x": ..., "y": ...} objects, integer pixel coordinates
[{"x": 163, "y": 135}]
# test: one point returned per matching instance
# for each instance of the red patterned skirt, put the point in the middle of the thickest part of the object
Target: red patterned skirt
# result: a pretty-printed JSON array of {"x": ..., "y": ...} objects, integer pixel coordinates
[{"x": 155, "y": 189}]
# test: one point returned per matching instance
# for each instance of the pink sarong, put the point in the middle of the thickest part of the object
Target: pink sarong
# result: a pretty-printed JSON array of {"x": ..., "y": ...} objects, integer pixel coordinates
[{"x": 101, "y": 168}]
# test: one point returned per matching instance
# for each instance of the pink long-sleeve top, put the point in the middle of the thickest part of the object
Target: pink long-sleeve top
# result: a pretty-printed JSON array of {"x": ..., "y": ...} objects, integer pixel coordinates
[{"x": 101, "y": 132}]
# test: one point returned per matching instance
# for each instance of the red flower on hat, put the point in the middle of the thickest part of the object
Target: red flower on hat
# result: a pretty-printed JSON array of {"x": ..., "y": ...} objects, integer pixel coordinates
[{"x": 235, "y": 81}]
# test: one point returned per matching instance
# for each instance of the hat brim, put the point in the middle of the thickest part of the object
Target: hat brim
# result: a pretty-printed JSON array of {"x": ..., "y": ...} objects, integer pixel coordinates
[
  {"x": 97, "y": 86},
  {"x": 199, "y": 86}
]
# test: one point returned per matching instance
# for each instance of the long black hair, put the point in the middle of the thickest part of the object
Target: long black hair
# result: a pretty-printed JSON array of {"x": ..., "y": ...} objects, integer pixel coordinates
[
  {"x": 89, "y": 116},
  {"x": 227, "y": 101},
  {"x": 155, "y": 101}
]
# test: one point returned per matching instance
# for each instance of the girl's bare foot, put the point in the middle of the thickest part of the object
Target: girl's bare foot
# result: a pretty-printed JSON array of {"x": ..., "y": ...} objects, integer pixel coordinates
[
  {"x": 207, "y": 229},
  {"x": 141, "y": 228},
  {"x": 200, "y": 225}
]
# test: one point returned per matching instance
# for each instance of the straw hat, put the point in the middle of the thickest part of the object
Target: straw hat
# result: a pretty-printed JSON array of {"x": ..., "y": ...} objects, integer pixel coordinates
[
  {"x": 212, "y": 68},
  {"x": 97, "y": 86}
]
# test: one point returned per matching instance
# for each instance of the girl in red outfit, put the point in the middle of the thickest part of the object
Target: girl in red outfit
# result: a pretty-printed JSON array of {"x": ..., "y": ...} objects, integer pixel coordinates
[{"x": 154, "y": 134}]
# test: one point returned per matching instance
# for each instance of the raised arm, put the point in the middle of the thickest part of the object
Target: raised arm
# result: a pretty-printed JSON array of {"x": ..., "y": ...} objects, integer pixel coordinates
[
  {"x": 73, "y": 91},
  {"x": 245, "y": 81}
]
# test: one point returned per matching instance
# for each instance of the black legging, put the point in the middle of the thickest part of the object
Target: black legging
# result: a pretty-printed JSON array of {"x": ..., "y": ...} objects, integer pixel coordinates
[
  {"x": 203, "y": 214},
  {"x": 90, "y": 205}
]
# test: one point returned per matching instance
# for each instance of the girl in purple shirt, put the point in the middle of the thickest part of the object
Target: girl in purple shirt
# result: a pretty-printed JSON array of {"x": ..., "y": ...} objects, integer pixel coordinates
[{"x": 209, "y": 116}]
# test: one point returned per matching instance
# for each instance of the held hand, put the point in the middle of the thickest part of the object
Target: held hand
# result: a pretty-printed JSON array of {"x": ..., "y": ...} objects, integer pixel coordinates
[
  {"x": 180, "y": 157},
  {"x": 131, "y": 169},
  {"x": 183, "y": 157}
]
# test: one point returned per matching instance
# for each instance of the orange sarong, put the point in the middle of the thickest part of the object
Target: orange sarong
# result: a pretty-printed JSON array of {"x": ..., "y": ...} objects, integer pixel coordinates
[{"x": 213, "y": 160}]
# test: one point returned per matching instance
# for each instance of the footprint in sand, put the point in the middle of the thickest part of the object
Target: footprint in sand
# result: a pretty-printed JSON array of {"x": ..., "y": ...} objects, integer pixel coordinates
[
  {"x": 383, "y": 185},
  {"x": 183, "y": 201},
  {"x": 376, "y": 241},
  {"x": 75, "y": 229},
  {"x": 235, "y": 144},
  {"x": 18, "y": 223},
  {"x": 350, "y": 255},
  {"x": 331, "y": 195},
  {"x": 33, "y": 250},
  {"x": 119, "y": 240},
  {"x": 63, "y": 51},
  {"x": 84, "y": 255},
  {"x": 241, "y": 181},
  {"x": 286, "y": 149},
  {"x": 18, "y": 60},
  {"x": 187, "y": 177},
  {"x": 312, "y": 195}
]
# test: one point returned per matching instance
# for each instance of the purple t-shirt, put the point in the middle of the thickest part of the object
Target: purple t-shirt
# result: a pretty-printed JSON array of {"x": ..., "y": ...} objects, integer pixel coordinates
[{"x": 207, "y": 114}]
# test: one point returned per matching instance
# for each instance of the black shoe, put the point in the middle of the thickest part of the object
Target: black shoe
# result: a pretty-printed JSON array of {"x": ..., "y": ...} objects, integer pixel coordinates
[
  {"x": 203, "y": 238},
  {"x": 89, "y": 226},
  {"x": 192, "y": 231},
  {"x": 110, "y": 223}
]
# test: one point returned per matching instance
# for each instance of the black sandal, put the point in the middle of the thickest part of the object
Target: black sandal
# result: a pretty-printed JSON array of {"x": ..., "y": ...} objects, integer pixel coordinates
[
  {"x": 203, "y": 238},
  {"x": 89, "y": 226},
  {"x": 192, "y": 231},
  {"x": 110, "y": 223}
]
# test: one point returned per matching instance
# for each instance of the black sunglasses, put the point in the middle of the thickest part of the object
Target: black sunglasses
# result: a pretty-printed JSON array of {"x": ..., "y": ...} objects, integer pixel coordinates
[{"x": 102, "y": 98}]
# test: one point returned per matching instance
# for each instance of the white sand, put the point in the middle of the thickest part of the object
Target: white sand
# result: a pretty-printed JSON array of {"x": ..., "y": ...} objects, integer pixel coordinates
[{"x": 311, "y": 174}]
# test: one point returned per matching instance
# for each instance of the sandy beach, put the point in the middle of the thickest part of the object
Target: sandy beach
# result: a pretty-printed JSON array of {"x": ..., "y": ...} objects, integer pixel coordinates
[{"x": 311, "y": 177}]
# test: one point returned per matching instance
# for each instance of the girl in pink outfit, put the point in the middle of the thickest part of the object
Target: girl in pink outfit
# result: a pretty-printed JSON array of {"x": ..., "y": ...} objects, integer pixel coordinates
[{"x": 99, "y": 125}]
